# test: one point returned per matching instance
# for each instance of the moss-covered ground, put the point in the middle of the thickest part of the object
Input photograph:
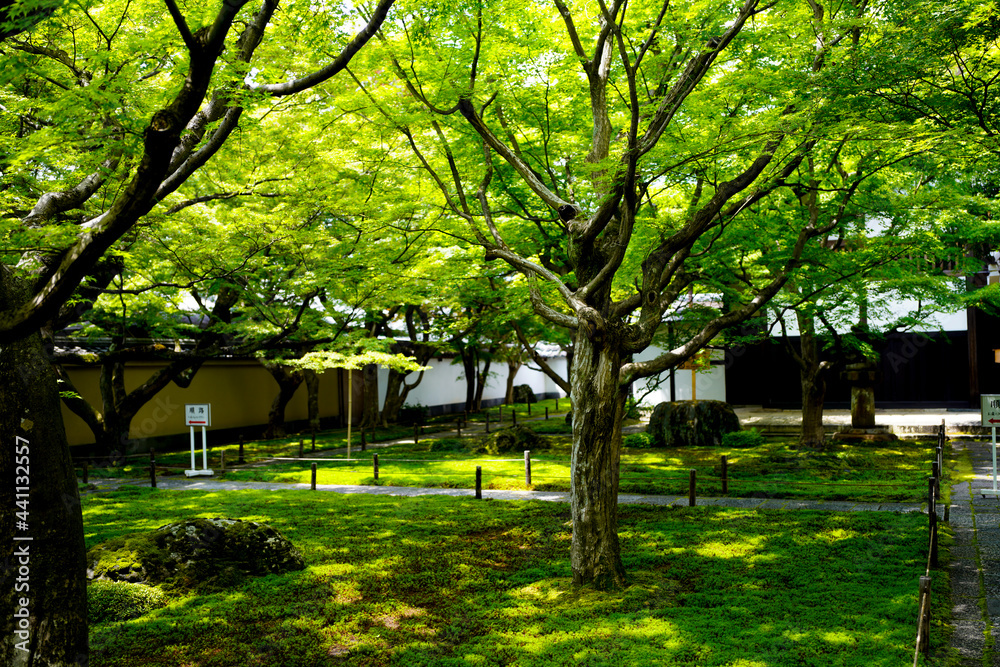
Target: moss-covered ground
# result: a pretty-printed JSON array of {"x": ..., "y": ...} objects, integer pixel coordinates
[
  {"x": 882, "y": 472},
  {"x": 454, "y": 581}
]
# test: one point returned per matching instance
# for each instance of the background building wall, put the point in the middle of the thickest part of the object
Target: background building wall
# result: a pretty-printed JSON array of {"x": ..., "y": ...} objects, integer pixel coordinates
[{"x": 240, "y": 392}]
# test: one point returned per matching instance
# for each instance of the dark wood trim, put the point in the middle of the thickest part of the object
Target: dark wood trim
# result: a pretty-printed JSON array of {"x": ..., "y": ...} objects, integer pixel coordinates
[{"x": 973, "y": 357}]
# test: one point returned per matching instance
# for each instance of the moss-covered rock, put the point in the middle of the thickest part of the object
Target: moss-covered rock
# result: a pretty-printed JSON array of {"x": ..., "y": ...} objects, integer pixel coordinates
[
  {"x": 121, "y": 601},
  {"x": 691, "y": 423},
  {"x": 203, "y": 554},
  {"x": 515, "y": 439},
  {"x": 523, "y": 393}
]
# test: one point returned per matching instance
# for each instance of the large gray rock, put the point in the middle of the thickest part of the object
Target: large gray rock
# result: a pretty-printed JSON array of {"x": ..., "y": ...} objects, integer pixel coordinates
[
  {"x": 203, "y": 554},
  {"x": 691, "y": 423},
  {"x": 524, "y": 394}
]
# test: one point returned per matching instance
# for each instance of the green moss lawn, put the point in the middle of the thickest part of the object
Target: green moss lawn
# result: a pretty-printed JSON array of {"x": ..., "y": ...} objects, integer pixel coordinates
[{"x": 454, "y": 581}]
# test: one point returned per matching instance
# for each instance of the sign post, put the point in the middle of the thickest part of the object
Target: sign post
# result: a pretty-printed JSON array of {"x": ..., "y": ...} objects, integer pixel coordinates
[
  {"x": 198, "y": 414},
  {"x": 991, "y": 417}
]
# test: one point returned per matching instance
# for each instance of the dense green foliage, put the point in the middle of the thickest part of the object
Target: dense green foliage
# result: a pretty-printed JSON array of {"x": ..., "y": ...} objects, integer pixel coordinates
[{"x": 446, "y": 581}]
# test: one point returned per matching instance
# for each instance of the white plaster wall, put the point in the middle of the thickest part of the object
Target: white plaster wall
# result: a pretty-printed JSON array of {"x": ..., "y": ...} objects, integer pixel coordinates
[
  {"x": 894, "y": 309},
  {"x": 444, "y": 382},
  {"x": 710, "y": 384}
]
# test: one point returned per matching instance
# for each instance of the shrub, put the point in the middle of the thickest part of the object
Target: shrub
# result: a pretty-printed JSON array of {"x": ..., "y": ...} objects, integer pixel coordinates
[
  {"x": 121, "y": 601},
  {"x": 751, "y": 438},
  {"x": 632, "y": 409},
  {"x": 413, "y": 414},
  {"x": 447, "y": 445},
  {"x": 637, "y": 440},
  {"x": 515, "y": 439}
]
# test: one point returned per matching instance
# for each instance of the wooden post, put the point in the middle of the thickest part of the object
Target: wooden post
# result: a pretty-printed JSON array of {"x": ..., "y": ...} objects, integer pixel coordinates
[
  {"x": 691, "y": 485},
  {"x": 313, "y": 485},
  {"x": 725, "y": 474},
  {"x": 936, "y": 473},
  {"x": 479, "y": 482},
  {"x": 557, "y": 404},
  {"x": 487, "y": 421},
  {"x": 459, "y": 430},
  {"x": 924, "y": 629},
  {"x": 500, "y": 415},
  {"x": 222, "y": 461},
  {"x": 302, "y": 448},
  {"x": 375, "y": 464},
  {"x": 527, "y": 468},
  {"x": 86, "y": 472},
  {"x": 465, "y": 418},
  {"x": 940, "y": 462},
  {"x": 416, "y": 434},
  {"x": 932, "y": 522},
  {"x": 152, "y": 468},
  {"x": 546, "y": 413},
  {"x": 241, "y": 449}
]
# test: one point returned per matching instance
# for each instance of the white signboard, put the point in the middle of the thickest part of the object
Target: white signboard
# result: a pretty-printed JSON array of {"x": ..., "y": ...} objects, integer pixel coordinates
[{"x": 198, "y": 414}]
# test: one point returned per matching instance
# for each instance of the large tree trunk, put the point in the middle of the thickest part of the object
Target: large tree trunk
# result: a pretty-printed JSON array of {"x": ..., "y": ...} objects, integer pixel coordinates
[
  {"x": 370, "y": 414},
  {"x": 470, "y": 365},
  {"x": 598, "y": 410},
  {"x": 512, "y": 368},
  {"x": 312, "y": 389},
  {"x": 44, "y": 560},
  {"x": 482, "y": 377},
  {"x": 813, "y": 396},
  {"x": 812, "y": 375},
  {"x": 288, "y": 383}
]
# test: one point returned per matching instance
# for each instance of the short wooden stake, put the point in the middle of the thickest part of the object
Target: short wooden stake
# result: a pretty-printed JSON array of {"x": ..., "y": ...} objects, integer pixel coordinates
[
  {"x": 500, "y": 415},
  {"x": 241, "y": 450},
  {"x": 416, "y": 434},
  {"x": 557, "y": 405},
  {"x": 691, "y": 485},
  {"x": 546, "y": 413},
  {"x": 375, "y": 464},
  {"x": 86, "y": 472},
  {"x": 302, "y": 448},
  {"x": 152, "y": 468},
  {"x": 479, "y": 482},
  {"x": 313, "y": 485},
  {"x": 487, "y": 421},
  {"x": 725, "y": 474},
  {"x": 527, "y": 468},
  {"x": 459, "y": 430},
  {"x": 936, "y": 474},
  {"x": 932, "y": 521},
  {"x": 222, "y": 460},
  {"x": 924, "y": 626}
]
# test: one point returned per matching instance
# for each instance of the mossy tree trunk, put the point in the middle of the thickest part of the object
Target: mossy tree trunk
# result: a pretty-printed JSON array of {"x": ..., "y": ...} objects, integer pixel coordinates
[
  {"x": 49, "y": 569},
  {"x": 598, "y": 410}
]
